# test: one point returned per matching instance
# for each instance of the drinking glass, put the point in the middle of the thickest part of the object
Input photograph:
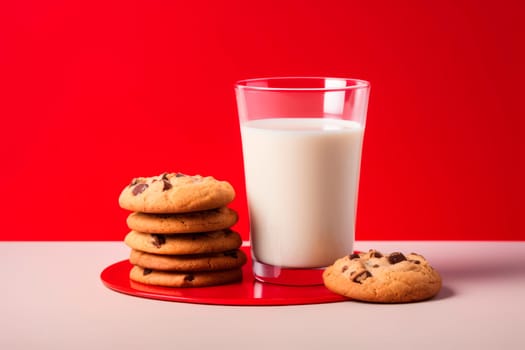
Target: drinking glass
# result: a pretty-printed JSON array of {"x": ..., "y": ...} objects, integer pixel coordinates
[{"x": 302, "y": 139}]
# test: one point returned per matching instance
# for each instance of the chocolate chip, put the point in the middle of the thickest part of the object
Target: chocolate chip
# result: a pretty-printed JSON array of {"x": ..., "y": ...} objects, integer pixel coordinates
[
  {"x": 167, "y": 185},
  {"x": 165, "y": 181},
  {"x": 189, "y": 278},
  {"x": 344, "y": 268},
  {"x": 375, "y": 266},
  {"x": 139, "y": 188},
  {"x": 360, "y": 277},
  {"x": 417, "y": 262},
  {"x": 396, "y": 257},
  {"x": 375, "y": 254},
  {"x": 158, "y": 240},
  {"x": 232, "y": 254},
  {"x": 147, "y": 272},
  {"x": 354, "y": 256}
]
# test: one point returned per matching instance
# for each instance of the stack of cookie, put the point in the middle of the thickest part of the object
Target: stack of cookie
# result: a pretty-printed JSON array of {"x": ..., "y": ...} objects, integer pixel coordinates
[{"x": 181, "y": 231}]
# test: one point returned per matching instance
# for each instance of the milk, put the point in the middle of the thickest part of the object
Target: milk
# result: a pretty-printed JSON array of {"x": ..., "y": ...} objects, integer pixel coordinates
[{"x": 302, "y": 178}]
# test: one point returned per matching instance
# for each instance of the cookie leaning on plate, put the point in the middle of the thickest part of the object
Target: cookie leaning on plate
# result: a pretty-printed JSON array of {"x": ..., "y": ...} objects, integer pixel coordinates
[
  {"x": 199, "y": 221},
  {"x": 374, "y": 277},
  {"x": 175, "y": 193}
]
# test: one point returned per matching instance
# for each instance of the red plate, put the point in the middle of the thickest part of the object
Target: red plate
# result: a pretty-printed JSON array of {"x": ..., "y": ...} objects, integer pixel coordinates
[{"x": 247, "y": 292}]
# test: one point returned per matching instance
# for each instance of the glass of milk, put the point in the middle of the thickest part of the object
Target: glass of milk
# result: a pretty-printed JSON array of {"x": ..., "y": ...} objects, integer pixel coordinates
[{"x": 301, "y": 140}]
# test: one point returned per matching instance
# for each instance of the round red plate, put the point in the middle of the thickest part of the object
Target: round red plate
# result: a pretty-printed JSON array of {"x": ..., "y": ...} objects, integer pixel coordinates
[{"x": 247, "y": 292}]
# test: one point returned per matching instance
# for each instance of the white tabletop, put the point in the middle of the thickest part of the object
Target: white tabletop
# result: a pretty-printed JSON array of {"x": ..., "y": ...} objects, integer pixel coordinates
[{"x": 52, "y": 298}]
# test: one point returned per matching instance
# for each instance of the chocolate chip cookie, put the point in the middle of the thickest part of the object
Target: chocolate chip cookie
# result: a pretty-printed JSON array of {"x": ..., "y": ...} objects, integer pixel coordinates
[
  {"x": 184, "y": 279},
  {"x": 199, "y": 221},
  {"x": 175, "y": 193},
  {"x": 191, "y": 262},
  {"x": 193, "y": 243},
  {"x": 375, "y": 277}
]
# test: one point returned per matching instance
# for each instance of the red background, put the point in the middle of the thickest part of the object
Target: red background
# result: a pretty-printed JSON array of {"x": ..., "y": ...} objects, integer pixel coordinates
[{"x": 95, "y": 93}]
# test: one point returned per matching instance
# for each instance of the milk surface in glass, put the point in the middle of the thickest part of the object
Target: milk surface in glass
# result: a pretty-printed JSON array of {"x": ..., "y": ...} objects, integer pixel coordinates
[{"x": 302, "y": 177}]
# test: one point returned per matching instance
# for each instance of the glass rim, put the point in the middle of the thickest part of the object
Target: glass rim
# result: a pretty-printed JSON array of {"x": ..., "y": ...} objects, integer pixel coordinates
[{"x": 356, "y": 84}]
